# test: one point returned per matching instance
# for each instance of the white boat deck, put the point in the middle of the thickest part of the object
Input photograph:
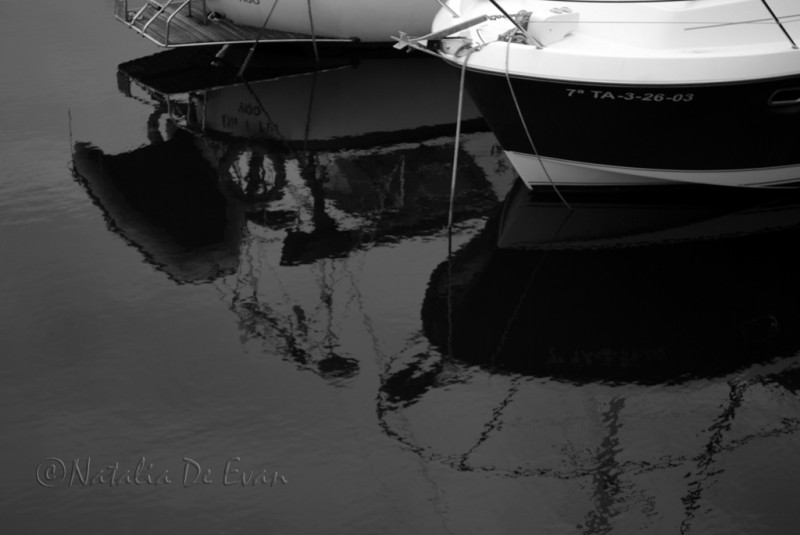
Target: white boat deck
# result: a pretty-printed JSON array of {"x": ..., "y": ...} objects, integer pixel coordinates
[{"x": 706, "y": 41}]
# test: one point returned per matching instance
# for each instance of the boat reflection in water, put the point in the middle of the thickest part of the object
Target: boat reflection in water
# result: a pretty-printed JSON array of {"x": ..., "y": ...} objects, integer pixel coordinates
[
  {"x": 164, "y": 200},
  {"x": 274, "y": 184},
  {"x": 619, "y": 359},
  {"x": 604, "y": 352},
  {"x": 633, "y": 286}
]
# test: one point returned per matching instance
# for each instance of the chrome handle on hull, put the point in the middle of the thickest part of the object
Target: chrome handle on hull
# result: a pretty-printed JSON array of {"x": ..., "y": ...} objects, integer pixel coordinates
[{"x": 785, "y": 97}]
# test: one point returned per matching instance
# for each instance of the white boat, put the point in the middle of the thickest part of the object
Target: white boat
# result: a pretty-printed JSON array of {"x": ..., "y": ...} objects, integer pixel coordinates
[
  {"x": 363, "y": 20},
  {"x": 172, "y": 23},
  {"x": 620, "y": 92}
]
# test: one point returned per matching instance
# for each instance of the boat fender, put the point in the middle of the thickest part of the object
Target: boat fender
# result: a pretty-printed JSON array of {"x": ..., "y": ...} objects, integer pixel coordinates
[{"x": 551, "y": 26}]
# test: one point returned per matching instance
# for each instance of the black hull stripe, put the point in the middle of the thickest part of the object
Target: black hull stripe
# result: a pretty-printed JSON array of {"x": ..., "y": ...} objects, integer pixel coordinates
[{"x": 700, "y": 127}]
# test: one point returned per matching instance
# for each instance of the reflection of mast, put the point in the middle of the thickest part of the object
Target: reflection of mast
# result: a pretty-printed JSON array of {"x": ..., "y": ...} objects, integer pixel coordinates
[
  {"x": 290, "y": 334},
  {"x": 741, "y": 274},
  {"x": 606, "y": 476},
  {"x": 332, "y": 364},
  {"x": 705, "y": 473},
  {"x": 706, "y": 460},
  {"x": 323, "y": 222},
  {"x": 254, "y": 184}
]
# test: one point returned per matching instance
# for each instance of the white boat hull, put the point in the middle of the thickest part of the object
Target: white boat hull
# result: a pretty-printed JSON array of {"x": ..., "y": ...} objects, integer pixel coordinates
[
  {"x": 636, "y": 92},
  {"x": 364, "y": 20}
]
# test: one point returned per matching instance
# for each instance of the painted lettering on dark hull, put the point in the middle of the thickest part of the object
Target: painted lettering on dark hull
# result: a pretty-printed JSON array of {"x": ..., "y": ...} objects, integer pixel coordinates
[{"x": 691, "y": 127}]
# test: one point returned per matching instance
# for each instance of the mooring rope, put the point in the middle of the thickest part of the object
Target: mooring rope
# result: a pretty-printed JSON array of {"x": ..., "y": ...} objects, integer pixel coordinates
[
  {"x": 528, "y": 38},
  {"x": 451, "y": 208},
  {"x": 457, "y": 141},
  {"x": 255, "y": 43},
  {"x": 779, "y": 23},
  {"x": 309, "y": 113},
  {"x": 527, "y": 131},
  {"x": 313, "y": 33}
]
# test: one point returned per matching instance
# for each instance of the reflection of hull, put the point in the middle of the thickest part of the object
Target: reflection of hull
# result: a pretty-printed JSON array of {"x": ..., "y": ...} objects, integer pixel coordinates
[
  {"x": 337, "y": 154},
  {"x": 340, "y": 201},
  {"x": 404, "y": 191},
  {"x": 627, "y": 93},
  {"x": 164, "y": 201},
  {"x": 644, "y": 310},
  {"x": 365, "y": 20},
  {"x": 624, "y": 218},
  {"x": 373, "y": 154},
  {"x": 366, "y": 102}
]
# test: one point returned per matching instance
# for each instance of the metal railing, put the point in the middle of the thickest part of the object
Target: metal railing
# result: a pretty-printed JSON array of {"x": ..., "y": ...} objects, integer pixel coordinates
[{"x": 131, "y": 18}]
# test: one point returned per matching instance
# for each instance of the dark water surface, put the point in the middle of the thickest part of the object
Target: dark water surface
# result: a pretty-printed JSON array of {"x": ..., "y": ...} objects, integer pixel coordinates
[{"x": 258, "y": 329}]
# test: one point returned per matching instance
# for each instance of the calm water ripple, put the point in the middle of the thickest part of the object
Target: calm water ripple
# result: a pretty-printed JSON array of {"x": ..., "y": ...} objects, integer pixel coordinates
[{"x": 266, "y": 325}]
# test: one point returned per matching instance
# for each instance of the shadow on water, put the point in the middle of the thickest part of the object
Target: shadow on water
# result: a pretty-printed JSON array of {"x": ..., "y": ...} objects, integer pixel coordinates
[{"x": 649, "y": 287}]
